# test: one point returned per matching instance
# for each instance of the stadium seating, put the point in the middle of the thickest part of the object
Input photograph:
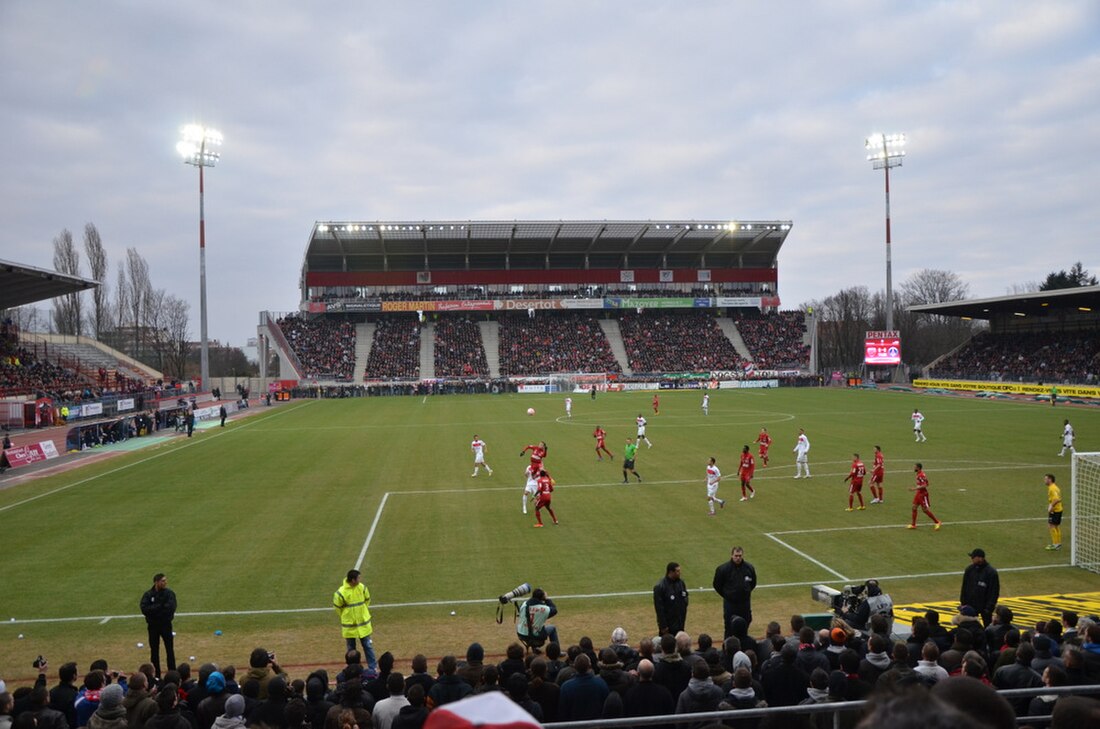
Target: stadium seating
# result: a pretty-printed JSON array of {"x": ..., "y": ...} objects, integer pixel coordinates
[
  {"x": 459, "y": 351},
  {"x": 326, "y": 348},
  {"x": 1071, "y": 358},
  {"x": 775, "y": 340},
  {"x": 553, "y": 342},
  {"x": 677, "y": 342},
  {"x": 21, "y": 373},
  {"x": 395, "y": 352}
]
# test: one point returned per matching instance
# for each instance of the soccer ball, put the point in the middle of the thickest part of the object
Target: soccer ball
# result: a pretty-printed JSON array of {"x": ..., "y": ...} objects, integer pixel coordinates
[{"x": 530, "y": 411}]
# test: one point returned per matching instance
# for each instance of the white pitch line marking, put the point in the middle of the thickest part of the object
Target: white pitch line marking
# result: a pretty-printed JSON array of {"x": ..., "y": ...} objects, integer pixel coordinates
[
  {"x": 105, "y": 620},
  {"x": 493, "y": 601},
  {"x": 807, "y": 557},
  {"x": 373, "y": 527},
  {"x": 899, "y": 526}
]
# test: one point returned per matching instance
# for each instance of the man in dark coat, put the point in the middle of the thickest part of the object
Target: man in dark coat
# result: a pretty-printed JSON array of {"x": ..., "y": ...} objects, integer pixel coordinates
[
  {"x": 734, "y": 581},
  {"x": 670, "y": 601},
  {"x": 646, "y": 698},
  {"x": 158, "y": 605},
  {"x": 981, "y": 586}
]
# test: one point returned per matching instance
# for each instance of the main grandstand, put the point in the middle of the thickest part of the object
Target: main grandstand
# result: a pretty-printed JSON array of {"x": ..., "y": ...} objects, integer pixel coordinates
[{"x": 433, "y": 301}]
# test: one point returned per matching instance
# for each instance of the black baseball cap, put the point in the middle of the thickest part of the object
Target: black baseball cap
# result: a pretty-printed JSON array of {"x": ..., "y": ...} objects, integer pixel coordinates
[{"x": 979, "y": 552}]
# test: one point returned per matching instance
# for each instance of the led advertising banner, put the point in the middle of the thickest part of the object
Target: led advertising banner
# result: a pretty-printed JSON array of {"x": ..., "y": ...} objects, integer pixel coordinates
[{"x": 882, "y": 348}]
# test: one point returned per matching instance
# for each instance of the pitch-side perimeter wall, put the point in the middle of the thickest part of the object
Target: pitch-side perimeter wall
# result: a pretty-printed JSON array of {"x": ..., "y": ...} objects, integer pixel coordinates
[{"x": 1011, "y": 388}]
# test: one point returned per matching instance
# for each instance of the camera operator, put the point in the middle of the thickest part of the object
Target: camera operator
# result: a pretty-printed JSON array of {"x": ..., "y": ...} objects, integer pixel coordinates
[
  {"x": 533, "y": 614},
  {"x": 875, "y": 603}
]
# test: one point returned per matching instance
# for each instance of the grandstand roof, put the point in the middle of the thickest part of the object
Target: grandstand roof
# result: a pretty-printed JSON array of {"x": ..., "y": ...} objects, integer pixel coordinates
[
  {"x": 425, "y": 245},
  {"x": 20, "y": 284},
  {"x": 1040, "y": 303}
]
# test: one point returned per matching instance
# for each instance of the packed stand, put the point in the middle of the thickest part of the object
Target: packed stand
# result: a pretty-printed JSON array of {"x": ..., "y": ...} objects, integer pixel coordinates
[
  {"x": 1064, "y": 357},
  {"x": 677, "y": 342},
  {"x": 776, "y": 340},
  {"x": 459, "y": 351},
  {"x": 553, "y": 342},
  {"x": 325, "y": 347},
  {"x": 479, "y": 293},
  {"x": 944, "y": 674},
  {"x": 395, "y": 353},
  {"x": 22, "y": 373}
]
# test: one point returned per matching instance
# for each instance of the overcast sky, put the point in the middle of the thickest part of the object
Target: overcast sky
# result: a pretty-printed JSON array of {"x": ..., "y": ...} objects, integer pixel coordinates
[{"x": 553, "y": 110}]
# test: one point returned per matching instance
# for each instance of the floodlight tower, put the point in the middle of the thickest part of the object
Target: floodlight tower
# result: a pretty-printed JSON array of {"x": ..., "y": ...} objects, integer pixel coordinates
[
  {"x": 885, "y": 151},
  {"x": 198, "y": 147}
]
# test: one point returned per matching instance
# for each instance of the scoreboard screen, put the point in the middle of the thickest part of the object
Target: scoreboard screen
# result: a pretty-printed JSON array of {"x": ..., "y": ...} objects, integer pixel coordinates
[{"x": 882, "y": 348}]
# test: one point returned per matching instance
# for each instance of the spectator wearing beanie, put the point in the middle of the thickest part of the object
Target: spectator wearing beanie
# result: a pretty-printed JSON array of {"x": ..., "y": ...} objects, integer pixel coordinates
[
  {"x": 233, "y": 717},
  {"x": 110, "y": 714},
  {"x": 470, "y": 670}
]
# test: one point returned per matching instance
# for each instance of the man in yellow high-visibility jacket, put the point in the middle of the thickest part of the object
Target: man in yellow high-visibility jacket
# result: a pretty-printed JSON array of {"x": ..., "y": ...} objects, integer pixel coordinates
[{"x": 352, "y": 603}]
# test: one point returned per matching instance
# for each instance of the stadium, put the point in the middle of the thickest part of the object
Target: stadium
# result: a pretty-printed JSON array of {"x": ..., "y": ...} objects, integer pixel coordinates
[{"x": 412, "y": 339}]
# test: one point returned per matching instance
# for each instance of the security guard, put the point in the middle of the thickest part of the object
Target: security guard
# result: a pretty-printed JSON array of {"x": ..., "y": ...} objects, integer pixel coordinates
[{"x": 352, "y": 603}]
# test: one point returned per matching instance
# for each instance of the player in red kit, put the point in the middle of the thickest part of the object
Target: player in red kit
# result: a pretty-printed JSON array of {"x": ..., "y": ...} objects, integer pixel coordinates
[
  {"x": 856, "y": 477},
  {"x": 744, "y": 472},
  {"x": 600, "y": 434},
  {"x": 765, "y": 442},
  {"x": 542, "y": 498},
  {"x": 878, "y": 472},
  {"x": 656, "y": 404},
  {"x": 538, "y": 452},
  {"x": 920, "y": 498}
]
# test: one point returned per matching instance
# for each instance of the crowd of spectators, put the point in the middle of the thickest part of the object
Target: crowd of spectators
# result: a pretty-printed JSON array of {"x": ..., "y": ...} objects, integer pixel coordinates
[
  {"x": 395, "y": 352},
  {"x": 776, "y": 339},
  {"x": 325, "y": 347},
  {"x": 459, "y": 351},
  {"x": 1063, "y": 357},
  {"x": 553, "y": 342},
  {"x": 689, "y": 341},
  {"x": 22, "y": 373},
  {"x": 941, "y": 676},
  {"x": 481, "y": 293}
]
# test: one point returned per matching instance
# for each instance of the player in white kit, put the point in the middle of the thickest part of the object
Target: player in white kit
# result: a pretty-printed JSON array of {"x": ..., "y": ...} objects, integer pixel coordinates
[
  {"x": 706, "y": 403},
  {"x": 713, "y": 477},
  {"x": 918, "y": 426},
  {"x": 802, "y": 459},
  {"x": 569, "y": 407},
  {"x": 478, "y": 447},
  {"x": 641, "y": 430},
  {"x": 530, "y": 491},
  {"x": 1067, "y": 439}
]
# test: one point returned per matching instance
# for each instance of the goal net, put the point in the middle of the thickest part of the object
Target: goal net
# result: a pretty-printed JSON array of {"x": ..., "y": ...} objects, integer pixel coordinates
[
  {"x": 1085, "y": 505},
  {"x": 578, "y": 382}
]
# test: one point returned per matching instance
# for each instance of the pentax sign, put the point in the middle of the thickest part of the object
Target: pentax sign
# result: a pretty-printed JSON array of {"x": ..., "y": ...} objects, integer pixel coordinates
[{"x": 882, "y": 348}]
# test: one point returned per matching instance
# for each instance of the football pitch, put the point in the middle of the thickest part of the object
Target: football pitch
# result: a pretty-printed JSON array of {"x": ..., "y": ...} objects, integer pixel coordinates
[{"x": 256, "y": 524}]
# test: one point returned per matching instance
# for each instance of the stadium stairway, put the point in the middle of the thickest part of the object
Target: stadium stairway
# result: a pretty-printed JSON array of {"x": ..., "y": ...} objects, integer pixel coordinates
[
  {"x": 730, "y": 330},
  {"x": 364, "y": 338},
  {"x": 614, "y": 336},
  {"x": 490, "y": 339},
  {"x": 427, "y": 351}
]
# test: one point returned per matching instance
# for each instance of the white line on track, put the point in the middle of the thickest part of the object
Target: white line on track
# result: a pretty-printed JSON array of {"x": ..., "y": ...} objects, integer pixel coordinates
[
  {"x": 805, "y": 556},
  {"x": 493, "y": 601},
  {"x": 150, "y": 458}
]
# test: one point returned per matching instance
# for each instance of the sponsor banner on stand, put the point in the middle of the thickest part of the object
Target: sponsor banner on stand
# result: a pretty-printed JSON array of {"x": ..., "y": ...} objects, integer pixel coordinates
[
  {"x": 525, "y": 304},
  {"x": 33, "y": 453},
  {"x": 126, "y": 404},
  {"x": 639, "y": 302},
  {"x": 736, "y": 301},
  {"x": 747, "y": 384},
  {"x": 1011, "y": 388},
  {"x": 92, "y": 408},
  {"x": 526, "y": 389},
  {"x": 641, "y": 385}
]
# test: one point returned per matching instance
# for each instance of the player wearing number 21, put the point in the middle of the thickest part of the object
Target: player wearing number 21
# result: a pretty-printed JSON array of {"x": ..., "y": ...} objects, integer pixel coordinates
[{"x": 1054, "y": 512}]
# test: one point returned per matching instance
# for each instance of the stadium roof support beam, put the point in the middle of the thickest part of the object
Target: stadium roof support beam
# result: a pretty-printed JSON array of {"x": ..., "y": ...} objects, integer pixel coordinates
[
  {"x": 592, "y": 243},
  {"x": 672, "y": 242},
  {"x": 385, "y": 253},
  {"x": 624, "y": 262}
]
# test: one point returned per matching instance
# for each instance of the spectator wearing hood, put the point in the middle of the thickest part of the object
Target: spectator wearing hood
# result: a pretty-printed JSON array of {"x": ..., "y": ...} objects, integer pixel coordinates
[
  {"x": 317, "y": 705},
  {"x": 470, "y": 670},
  {"x": 1044, "y": 656},
  {"x": 272, "y": 711},
  {"x": 110, "y": 714},
  {"x": 233, "y": 716},
  {"x": 610, "y": 669},
  {"x": 212, "y": 704}
]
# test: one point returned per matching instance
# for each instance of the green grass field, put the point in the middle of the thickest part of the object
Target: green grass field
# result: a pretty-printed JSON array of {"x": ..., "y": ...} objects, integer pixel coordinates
[{"x": 257, "y": 523}]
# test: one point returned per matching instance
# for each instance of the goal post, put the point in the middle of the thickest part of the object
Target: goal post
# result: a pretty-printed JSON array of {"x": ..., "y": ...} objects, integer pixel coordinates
[{"x": 1085, "y": 511}]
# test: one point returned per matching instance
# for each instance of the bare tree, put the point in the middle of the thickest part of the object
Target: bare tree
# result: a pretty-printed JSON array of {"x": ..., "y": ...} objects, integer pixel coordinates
[
  {"x": 927, "y": 336},
  {"x": 137, "y": 298},
  {"x": 122, "y": 303},
  {"x": 843, "y": 320},
  {"x": 1027, "y": 287},
  {"x": 176, "y": 325},
  {"x": 68, "y": 310},
  {"x": 97, "y": 261}
]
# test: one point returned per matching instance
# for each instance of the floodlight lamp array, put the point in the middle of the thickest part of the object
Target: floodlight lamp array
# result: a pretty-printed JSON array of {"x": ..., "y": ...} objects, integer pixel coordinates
[{"x": 198, "y": 145}]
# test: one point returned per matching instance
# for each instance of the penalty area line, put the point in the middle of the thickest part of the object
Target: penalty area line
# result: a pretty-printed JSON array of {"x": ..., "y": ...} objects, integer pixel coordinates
[
  {"x": 373, "y": 527},
  {"x": 805, "y": 556}
]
